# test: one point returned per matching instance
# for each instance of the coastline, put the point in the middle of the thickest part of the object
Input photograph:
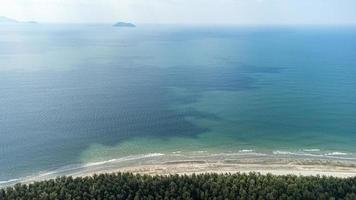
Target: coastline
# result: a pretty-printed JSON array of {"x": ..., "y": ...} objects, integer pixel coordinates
[
  {"x": 190, "y": 167},
  {"x": 176, "y": 163},
  {"x": 287, "y": 165}
]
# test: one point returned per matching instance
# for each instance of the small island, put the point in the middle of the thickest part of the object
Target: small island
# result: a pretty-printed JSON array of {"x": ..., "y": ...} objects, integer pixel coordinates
[
  {"x": 31, "y": 22},
  {"x": 124, "y": 24}
]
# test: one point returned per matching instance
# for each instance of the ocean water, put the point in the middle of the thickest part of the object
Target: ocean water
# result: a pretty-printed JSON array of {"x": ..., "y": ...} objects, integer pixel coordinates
[{"x": 82, "y": 95}]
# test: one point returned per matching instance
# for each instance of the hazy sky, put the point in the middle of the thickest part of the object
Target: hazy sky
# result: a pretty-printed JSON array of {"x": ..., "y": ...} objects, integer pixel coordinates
[{"x": 184, "y": 11}]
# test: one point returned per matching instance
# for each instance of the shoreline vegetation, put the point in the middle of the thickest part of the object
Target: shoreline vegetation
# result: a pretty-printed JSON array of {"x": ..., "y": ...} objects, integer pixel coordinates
[{"x": 194, "y": 186}]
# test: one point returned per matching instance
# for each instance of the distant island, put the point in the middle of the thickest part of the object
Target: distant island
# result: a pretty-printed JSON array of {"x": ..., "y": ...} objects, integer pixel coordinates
[
  {"x": 124, "y": 24},
  {"x": 6, "y": 20}
]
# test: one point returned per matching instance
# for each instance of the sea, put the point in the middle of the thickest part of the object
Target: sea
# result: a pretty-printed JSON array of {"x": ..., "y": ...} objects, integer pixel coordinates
[{"x": 74, "y": 96}]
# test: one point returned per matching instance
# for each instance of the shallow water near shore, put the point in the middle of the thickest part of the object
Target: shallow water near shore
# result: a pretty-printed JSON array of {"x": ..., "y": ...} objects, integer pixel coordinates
[{"x": 77, "y": 96}]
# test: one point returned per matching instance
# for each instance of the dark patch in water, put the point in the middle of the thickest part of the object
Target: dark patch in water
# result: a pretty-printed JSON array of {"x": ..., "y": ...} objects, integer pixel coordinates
[
  {"x": 207, "y": 78},
  {"x": 250, "y": 68}
]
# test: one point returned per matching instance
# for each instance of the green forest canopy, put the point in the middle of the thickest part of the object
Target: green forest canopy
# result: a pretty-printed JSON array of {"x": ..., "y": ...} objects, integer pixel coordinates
[{"x": 202, "y": 186}]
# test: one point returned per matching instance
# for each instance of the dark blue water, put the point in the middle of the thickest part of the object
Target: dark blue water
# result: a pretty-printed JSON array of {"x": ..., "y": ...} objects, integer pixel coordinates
[{"x": 80, "y": 93}]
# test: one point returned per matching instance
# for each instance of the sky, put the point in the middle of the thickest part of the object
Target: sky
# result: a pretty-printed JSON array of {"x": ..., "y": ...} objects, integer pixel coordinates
[{"x": 183, "y": 11}]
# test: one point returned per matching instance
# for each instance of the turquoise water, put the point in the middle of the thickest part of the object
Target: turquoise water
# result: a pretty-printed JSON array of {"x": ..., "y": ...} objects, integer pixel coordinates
[{"x": 76, "y": 94}]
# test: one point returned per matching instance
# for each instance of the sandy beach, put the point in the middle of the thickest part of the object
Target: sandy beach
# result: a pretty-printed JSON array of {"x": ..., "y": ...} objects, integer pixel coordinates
[
  {"x": 198, "y": 168},
  {"x": 276, "y": 166}
]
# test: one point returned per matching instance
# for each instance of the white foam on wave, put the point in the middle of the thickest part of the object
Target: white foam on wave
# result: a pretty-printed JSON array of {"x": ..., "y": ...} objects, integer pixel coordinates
[
  {"x": 336, "y": 154},
  {"x": 311, "y": 150},
  {"x": 246, "y": 151},
  {"x": 199, "y": 151},
  {"x": 279, "y": 152},
  {"x": 74, "y": 167},
  {"x": 238, "y": 154},
  {"x": 9, "y": 181},
  {"x": 316, "y": 153},
  {"x": 127, "y": 158}
]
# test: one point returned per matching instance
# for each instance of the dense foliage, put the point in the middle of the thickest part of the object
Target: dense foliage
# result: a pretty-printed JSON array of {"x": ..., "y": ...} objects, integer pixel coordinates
[{"x": 204, "y": 186}]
